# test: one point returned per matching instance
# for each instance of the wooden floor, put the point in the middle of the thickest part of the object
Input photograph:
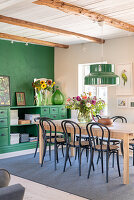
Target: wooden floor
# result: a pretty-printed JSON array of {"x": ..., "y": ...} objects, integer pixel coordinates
[{"x": 36, "y": 191}]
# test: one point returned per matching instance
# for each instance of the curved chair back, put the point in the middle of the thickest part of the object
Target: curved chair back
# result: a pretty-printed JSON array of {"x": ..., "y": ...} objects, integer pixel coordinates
[
  {"x": 98, "y": 117},
  {"x": 123, "y": 119},
  {"x": 105, "y": 132},
  {"x": 66, "y": 125},
  {"x": 48, "y": 125}
]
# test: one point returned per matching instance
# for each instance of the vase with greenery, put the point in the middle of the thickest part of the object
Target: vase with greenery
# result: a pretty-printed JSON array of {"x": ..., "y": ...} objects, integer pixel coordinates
[
  {"x": 86, "y": 105},
  {"x": 43, "y": 92}
]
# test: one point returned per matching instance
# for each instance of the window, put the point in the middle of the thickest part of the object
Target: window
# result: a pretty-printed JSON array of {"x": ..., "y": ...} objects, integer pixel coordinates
[{"x": 99, "y": 92}]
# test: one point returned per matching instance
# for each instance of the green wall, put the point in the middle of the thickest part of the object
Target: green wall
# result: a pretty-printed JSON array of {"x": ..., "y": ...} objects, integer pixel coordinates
[{"x": 24, "y": 63}]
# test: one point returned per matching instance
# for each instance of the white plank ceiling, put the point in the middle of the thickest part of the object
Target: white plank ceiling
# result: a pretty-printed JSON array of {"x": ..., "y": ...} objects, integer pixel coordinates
[{"x": 26, "y": 10}]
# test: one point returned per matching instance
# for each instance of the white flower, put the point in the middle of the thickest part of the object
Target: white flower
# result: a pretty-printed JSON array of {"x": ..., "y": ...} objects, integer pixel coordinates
[{"x": 88, "y": 105}]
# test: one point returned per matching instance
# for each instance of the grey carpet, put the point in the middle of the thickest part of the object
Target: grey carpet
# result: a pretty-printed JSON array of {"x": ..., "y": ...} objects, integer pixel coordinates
[{"x": 94, "y": 188}]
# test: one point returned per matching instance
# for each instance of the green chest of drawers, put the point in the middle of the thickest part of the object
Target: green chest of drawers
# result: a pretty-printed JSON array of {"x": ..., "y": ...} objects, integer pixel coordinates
[
  {"x": 4, "y": 126},
  {"x": 54, "y": 112}
]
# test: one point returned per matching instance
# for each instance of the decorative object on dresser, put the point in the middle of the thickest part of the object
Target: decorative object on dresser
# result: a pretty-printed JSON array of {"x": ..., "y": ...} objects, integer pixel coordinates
[
  {"x": 57, "y": 97},
  {"x": 20, "y": 99},
  {"x": 4, "y": 91},
  {"x": 43, "y": 91}
]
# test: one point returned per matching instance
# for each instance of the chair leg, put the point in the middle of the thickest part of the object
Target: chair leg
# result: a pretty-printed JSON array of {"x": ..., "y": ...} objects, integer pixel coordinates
[
  {"x": 97, "y": 141},
  {"x": 113, "y": 158},
  {"x": 62, "y": 150},
  {"x": 50, "y": 151},
  {"x": 66, "y": 157},
  {"x": 98, "y": 157},
  {"x": 91, "y": 161},
  {"x": 55, "y": 154},
  {"x": 102, "y": 161},
  {"x": 121, "y": 145},
  {"x": 76, "y": 151},
  {"x": 87, "y": 153},
  {"x": 36, "y": 148},
  {"x": 113, "y": 161},
  {"x": 107, "y": 165},
  {"x": 118, "y": 165},
  {"x": 79, "y": 161}
]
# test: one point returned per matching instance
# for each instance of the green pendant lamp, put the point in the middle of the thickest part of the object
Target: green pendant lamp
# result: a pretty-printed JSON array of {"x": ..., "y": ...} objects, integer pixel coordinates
[{"x": 102, "y": 74}]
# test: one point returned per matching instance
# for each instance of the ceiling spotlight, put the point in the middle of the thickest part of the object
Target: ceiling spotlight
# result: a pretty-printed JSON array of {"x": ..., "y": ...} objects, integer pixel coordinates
[
  {"x": 26, "y": 44},
  {"x": 12, "y": 41},
  {"x": 101, "y": 23}
]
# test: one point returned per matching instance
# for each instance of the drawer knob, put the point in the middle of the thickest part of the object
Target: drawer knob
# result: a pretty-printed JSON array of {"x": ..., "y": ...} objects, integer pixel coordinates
[
  {"x": 53, "y": 109},
  {"x": 2, "y": 112},
  {"x": 2, "y": 121},
  {"x": 45, "y": 109},
  {"x": 62, "y": 115},
  {"x": 2, "y": 134}
]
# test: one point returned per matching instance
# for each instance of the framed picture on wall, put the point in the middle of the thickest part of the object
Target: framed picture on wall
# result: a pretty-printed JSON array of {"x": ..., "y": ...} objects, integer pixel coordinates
[
  {"x": 125, "y": 72},
  {"x": 20, "y": 99},
  {"x": 4, "y": 91},
  {"x": 121, "y": 102}
]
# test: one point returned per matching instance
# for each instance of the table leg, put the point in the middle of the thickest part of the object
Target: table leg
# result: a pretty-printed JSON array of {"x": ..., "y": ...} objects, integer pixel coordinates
[
  {"x": 41, "y": 144},
  {"x": 126, "y": 159}
]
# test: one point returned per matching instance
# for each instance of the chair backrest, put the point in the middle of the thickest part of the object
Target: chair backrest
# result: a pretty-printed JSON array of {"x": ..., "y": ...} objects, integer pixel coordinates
[
  {"x": 40, "y": 121},
  {"x": 66, "y": 125},
  {"x": 104, "y": 132},
  {"x": 48, "y": 125},
  {"x": 98, "y": 117},
  {"x": 123, "y": 119}
]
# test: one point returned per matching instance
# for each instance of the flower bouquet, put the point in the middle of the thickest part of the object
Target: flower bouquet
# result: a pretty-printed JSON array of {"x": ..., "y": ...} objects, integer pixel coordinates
[
  {"x": 87, "y": 106},
  {"x": 43, "y": 91}
]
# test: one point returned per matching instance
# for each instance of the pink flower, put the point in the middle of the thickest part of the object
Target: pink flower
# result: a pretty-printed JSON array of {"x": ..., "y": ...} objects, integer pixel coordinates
[
  {"x": 69, "y": 99},
  {"x": 84, "y": 97},
  {"x": 78, "y": 98},
  {"x": 93, "y": 102}
]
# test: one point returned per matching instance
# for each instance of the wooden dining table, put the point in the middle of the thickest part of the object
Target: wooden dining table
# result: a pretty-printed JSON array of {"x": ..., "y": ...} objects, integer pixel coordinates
[{"x": 122, "y": 131}]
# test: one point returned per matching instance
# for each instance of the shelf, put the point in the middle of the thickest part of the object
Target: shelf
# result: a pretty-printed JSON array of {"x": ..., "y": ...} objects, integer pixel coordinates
[
  {"x": 16, "y": 107},
  {"x": 23, "y": 144},
  {"x": 23, "y": 125}
]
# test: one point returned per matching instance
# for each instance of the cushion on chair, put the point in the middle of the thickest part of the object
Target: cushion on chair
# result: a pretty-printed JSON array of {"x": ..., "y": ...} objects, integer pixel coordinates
[{"x": 104, "y": 147}]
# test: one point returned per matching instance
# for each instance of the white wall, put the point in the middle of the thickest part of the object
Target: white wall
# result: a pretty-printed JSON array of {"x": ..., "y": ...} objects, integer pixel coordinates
[{"x": 116, "y": 51}]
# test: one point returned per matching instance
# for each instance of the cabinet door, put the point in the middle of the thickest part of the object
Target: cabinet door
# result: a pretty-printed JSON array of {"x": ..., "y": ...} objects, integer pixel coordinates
[
  {"x": 62, "y": 110},
  {"x": 3, "y": 122},
  {"x": 3, "y": 113},
  {"x": 3, "y": 136},
  {"x": 45, "y": 111},
  {"x": 54, "y": 110}
]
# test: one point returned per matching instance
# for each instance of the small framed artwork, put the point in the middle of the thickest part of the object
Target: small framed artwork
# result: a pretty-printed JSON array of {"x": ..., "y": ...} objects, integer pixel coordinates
[
  {"x": 20, "y": 99},
  {"x": 131, "y": 102},
  {"x": 125, "y": 72},
  {"x": 122, "y": 102},
  {"x": 4, "y": 91}
]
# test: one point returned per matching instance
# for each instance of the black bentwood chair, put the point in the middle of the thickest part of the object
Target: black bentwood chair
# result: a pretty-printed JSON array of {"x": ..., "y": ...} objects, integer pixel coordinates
[
  {"x": 80, "y": 145},
  {"x": 86, "y": 138},
  {"x": 102, "y": 148},
  {"x": 48, "y": 125},
  {"x": 47, "y": 134},
  {"x": 115, "y": 141}
]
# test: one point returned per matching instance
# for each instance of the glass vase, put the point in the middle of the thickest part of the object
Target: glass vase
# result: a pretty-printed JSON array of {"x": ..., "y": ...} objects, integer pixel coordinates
[
  {"x": 46, "y": 97},
  {"x": 57, "y": 97},
  {"x": 38, "y": 98},
  {"x": 84, "y": 117}
]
